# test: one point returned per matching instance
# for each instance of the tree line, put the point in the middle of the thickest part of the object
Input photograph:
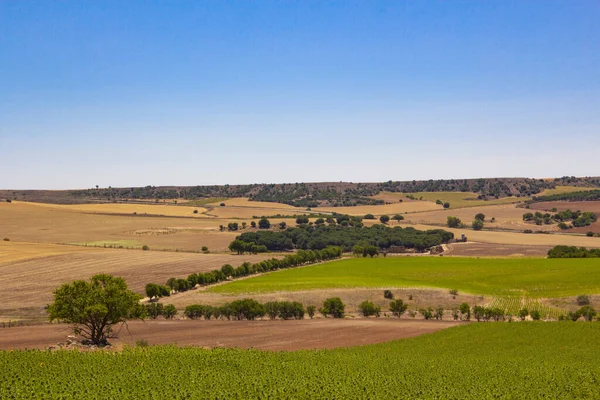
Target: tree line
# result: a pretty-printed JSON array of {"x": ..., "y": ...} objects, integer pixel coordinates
[
  {"x": 227, "y": 271},
  {"x": 578, "y": 219},
  {"x": 585, "y": 195},
  {"x": 573, "y": 252}
]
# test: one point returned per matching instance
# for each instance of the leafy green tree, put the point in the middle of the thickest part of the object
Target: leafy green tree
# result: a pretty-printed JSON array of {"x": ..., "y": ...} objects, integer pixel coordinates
[
  {"x": 169, "y": 311},
  {"x": 282, "y": 225},
  {"x": 369, "y": 216},
  {"x": 253, "y": 224},
  {"x": 426, "y": 313},
  {"x": 384, "y": 219},
  {"x": 397, "y": 307},
  {"x": 446, "y": 205},
  {"x": 227, "y": 270},
  {"x": 367, "y": 308},
  {"x": 95, "y": 307},
  {"x": 264, "y": 223},
  {"x": 465, "y": 311},
  {"x": 523, "y": 313},
  {"x": 477, "y": 225},
  {"x": 357, "y": 250},
  {"x": 237, "y": 246},
  {"x": 478, "y": 312},
  {"x": 153, "y": 310},
  {"x": 388, "y": 294},
  {"x": 535, "y": 315},
  {"x": 310, "y": 310},
  {"x": 453, "y": 222},
  {"x": 152, "y": 291},
  {"x": 398, "y": 217},
  {"x": 370, "y": 251},
  {"x": 480, "y": 217},
  {"x": 334, "y": 307},
  {"x": 303, "y": 219}
]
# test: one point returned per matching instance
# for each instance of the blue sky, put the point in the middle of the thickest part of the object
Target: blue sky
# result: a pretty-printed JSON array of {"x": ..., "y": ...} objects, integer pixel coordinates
[{"x": 127, "y": 93}]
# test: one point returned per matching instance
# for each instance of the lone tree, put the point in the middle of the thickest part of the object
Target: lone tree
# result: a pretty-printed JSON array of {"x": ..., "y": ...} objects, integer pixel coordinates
[
  {"x": 334, "y": 307},
  {"x": 480, "y": 217},
  {"x": 264, "y": 223},
  {"x": 384, "y": 219},
  {"x": 95, "y": 307},
  {"x": 454, "y": 222},
  {"x": 477, "y": 225}
]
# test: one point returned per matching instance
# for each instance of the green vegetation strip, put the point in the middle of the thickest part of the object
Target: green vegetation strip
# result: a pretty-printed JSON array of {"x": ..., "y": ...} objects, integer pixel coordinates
[
  {"x": 526, "y": 277},
  {"x": 478, "y": 361}
]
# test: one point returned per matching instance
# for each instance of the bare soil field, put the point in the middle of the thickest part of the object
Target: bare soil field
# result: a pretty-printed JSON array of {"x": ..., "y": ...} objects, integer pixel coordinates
[
  {"x": 589, "y": 206},
  {"x": 515, "y": 238},
  {"x": 471, "y": 249},
  {"x": 29, "y": 283},
  {"x": 351, "y": 298},
  {"x": 265, "y": 335}
]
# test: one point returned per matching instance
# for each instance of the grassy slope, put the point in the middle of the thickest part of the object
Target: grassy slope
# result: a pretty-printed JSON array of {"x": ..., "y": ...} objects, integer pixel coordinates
[
  {"x": 499, "y": 277},
  {"x": 478, "y": 361}
]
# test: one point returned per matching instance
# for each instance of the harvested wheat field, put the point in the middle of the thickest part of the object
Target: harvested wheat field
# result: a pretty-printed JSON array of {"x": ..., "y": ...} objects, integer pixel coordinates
[
  {"x": 162, "y": 209},
  {"x": 265, "y": 335},
  {"x": 29, "y": 283}
]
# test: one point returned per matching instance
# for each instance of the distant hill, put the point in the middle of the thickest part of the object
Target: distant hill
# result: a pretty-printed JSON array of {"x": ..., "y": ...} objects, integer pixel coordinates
[{"x": 305, "y": 194}]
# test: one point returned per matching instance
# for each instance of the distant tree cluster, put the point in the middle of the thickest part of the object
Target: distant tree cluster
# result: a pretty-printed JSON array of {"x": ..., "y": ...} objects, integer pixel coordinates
[
  {"x": 578, "y": 219},
  {"x": 587, "y": 195},
  {"x": 321, "y": 236},
  {"x": 573, "y": 252}
]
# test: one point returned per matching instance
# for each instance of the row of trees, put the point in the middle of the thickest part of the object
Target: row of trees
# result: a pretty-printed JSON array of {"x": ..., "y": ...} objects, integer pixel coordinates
[
  {"x": 573, "y": 252},
  {"x": 577, "y": 218},
  {"x": 319, "y": 237},
  {"x": 227, "y": 271}
]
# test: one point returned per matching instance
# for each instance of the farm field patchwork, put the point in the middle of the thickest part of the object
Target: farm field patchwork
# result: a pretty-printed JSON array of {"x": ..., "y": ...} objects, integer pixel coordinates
[
  {"x": 511, "y": 277},
  {"x": 476, "y": 361}
]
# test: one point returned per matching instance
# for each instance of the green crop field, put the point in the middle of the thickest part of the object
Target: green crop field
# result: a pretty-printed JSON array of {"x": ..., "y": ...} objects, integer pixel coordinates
[
  {"x": 476, "y": 361},
  {"x": 522, "y": 277}
]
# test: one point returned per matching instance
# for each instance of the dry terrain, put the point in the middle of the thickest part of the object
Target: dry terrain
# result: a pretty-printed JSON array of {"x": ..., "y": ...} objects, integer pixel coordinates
[
  {"x": 472, "y": 249},
  {"x": 265, "y": 335},
  {"x": 29, "y": 282},
  {"x": 590, "y": 206}
]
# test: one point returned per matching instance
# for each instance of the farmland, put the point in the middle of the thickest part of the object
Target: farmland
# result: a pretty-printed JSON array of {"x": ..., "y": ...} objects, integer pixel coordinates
[
  {"x": 476, "y": 361},
  {"x": 531, "y": 277}
]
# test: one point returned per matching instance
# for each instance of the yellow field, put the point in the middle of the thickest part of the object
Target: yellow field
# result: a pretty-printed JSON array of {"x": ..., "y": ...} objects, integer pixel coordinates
[
  {"x": 129, "y": 208},
  {"x": 19, "y": 251}
]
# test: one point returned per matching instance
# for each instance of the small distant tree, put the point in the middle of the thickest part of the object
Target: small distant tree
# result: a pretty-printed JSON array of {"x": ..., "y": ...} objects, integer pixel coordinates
[
  {"x": 398, "y": 217},
  {"x": 145, "y": 248},
  {"x": 253, "y": 224},
  {"x": 310, "y": 310},
  {"x": 369, "y": 216},
  {"x": 154, "y": 310},
  {"x": 589, "y": 234},
  {"x": 195, "y": 211},
  {"x": 384, "y": 219},
  {"x": 334, "y": 307},
  {"x": 282, "y": 225},
  {"x": 367, "y": 308},
  {"x": 357, "y": 250},
  {"x": 264, "y": 223},
  {"x": 453, "y": 222},
  {"x": 563, "y": 226},
  {"x": 535, "y": 315},
  {"x": 152, "y": 291},
  {"x": 465, "y": 311},
  {"x": 388, "y": 294},
  {"x": 438, "y": 201},
  {"x": 455, "y": 314},
  {"x": 446, "y": 205},
  {"x": 237, "y": 246},
  {"x": 370, "y": 251},
  {"x": 439, "y": 313},
  {"x": 479, "y": 312},
  {"x": 303, "y": 219},
  {"x": 477, "y": 225},
  {"x": 244, "y": 225},
  {"x": 480, "y": 217},
  {"x": 205, "y": 249},
  {"x": 95, "y": 307},
  {"x": 587, "y": 312},
  {"x": 397, "y": 307},
  {"x": 169, "y": 311},
  {"x": 426, "y": 313},
  {"x": 228, "y": 270},
  {"x": 523, "y": 313}
]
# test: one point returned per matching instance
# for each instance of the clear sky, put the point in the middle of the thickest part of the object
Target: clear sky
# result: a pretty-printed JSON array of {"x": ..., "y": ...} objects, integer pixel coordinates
[{"x": 128, "y": 93}]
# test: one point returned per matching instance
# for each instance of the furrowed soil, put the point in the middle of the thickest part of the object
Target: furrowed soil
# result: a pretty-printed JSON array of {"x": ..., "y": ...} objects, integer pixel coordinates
[
  {"x": 266, "y": 335},
  {"x": 471, "y": 249}
]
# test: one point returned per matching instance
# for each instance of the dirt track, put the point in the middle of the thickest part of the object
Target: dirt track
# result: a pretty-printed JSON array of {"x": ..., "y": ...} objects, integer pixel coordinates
[{"x": 266, "y": 335}]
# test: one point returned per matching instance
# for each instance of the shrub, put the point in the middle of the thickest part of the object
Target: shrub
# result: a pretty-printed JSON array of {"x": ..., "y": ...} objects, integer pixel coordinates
[
  {"x": 454, "y": 292},
  {"x": 563, "y": 226},
  {"x": 477, "y": 225},
  {"x": 397, "y": 307},
  {"x": 283, "y": 225},
  {"x": 535, "y": 315},
  {"x": 453, "y": 222},
  {"x": 523, "y": 313},
  {"x": 465, "y": 311},
  {"x": 583, "y": 300},
  {"x": 387, "y": 294},
  {"x": 439, "y": 313},
  {"x": 589, "y": 234},
  {"x": 195, "y": 211},
  {"x": 369, "y": 216},
  {"x": 446, "y": 205},
  {"x": 426, "y": 313},
  {"x": 6, "y": 240},
  {"x": 480, "y": 217},
  {"x": 587, "y": 312},
  {"x": 367, "y": 308},
  {"x": 205, "y": 249},
  {"x": 145, "y": 248},
  {"x": 264, "y": 223},
  {"x": 302, "y": 220},
  {"x": 438, "y": 201},
  {"x": 169, "y": 311},
  {"x": 398, "y": 217},
  {"x": 384, "y": 219},
  {"x": 334, "y": 307},
  {"x": 310, "y": 310},
  {"x": 222, "y": 204},
  {"x": 253, "y": 224}
]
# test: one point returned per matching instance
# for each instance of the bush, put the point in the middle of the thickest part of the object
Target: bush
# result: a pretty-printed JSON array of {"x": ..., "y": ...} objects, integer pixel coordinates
[
  {"x": 426, "y": 313},
  {"x": 453, "y": 222},
  {"x": 387, "y": 294},
  {"x": 334, "y": 307},
  {"x": 384, "y": 219},
  {"x": 523, "y": 313},
  {"x": 205, "y": 249},
  {"x": 195, "y": 211},
  {"x": 367, "y": 308},
  {"x": 480, "y": 217},
  {"x": 465, "y": 311},
  {"x": 222, "y": 204},
  {"x": 398, "y": 217},
  {"x": 302, "y": 220},
  {"x": 169, "y": 311},
  {"x": 438, "y": 201},
  {"x": 583, "y": 300},
  {"x": 264, "y": 223},
  {"x": 145, "y": 248},
  {"x": 6, "y": 240},
  {"x": 310, "y": 310},
  {"x": 587, "y": 312},
  {"x": 477, "y": 225},
  {"x": 563, "y": 226},
  {"x": 369, "y": 216},
  {"x": 589, "y": 234},
  {"x": 446, "y": 205},
  {"x": 535, "y": 315},
  {"x": 454, "y": 292},
  {"x": 397, "y": 307}
]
